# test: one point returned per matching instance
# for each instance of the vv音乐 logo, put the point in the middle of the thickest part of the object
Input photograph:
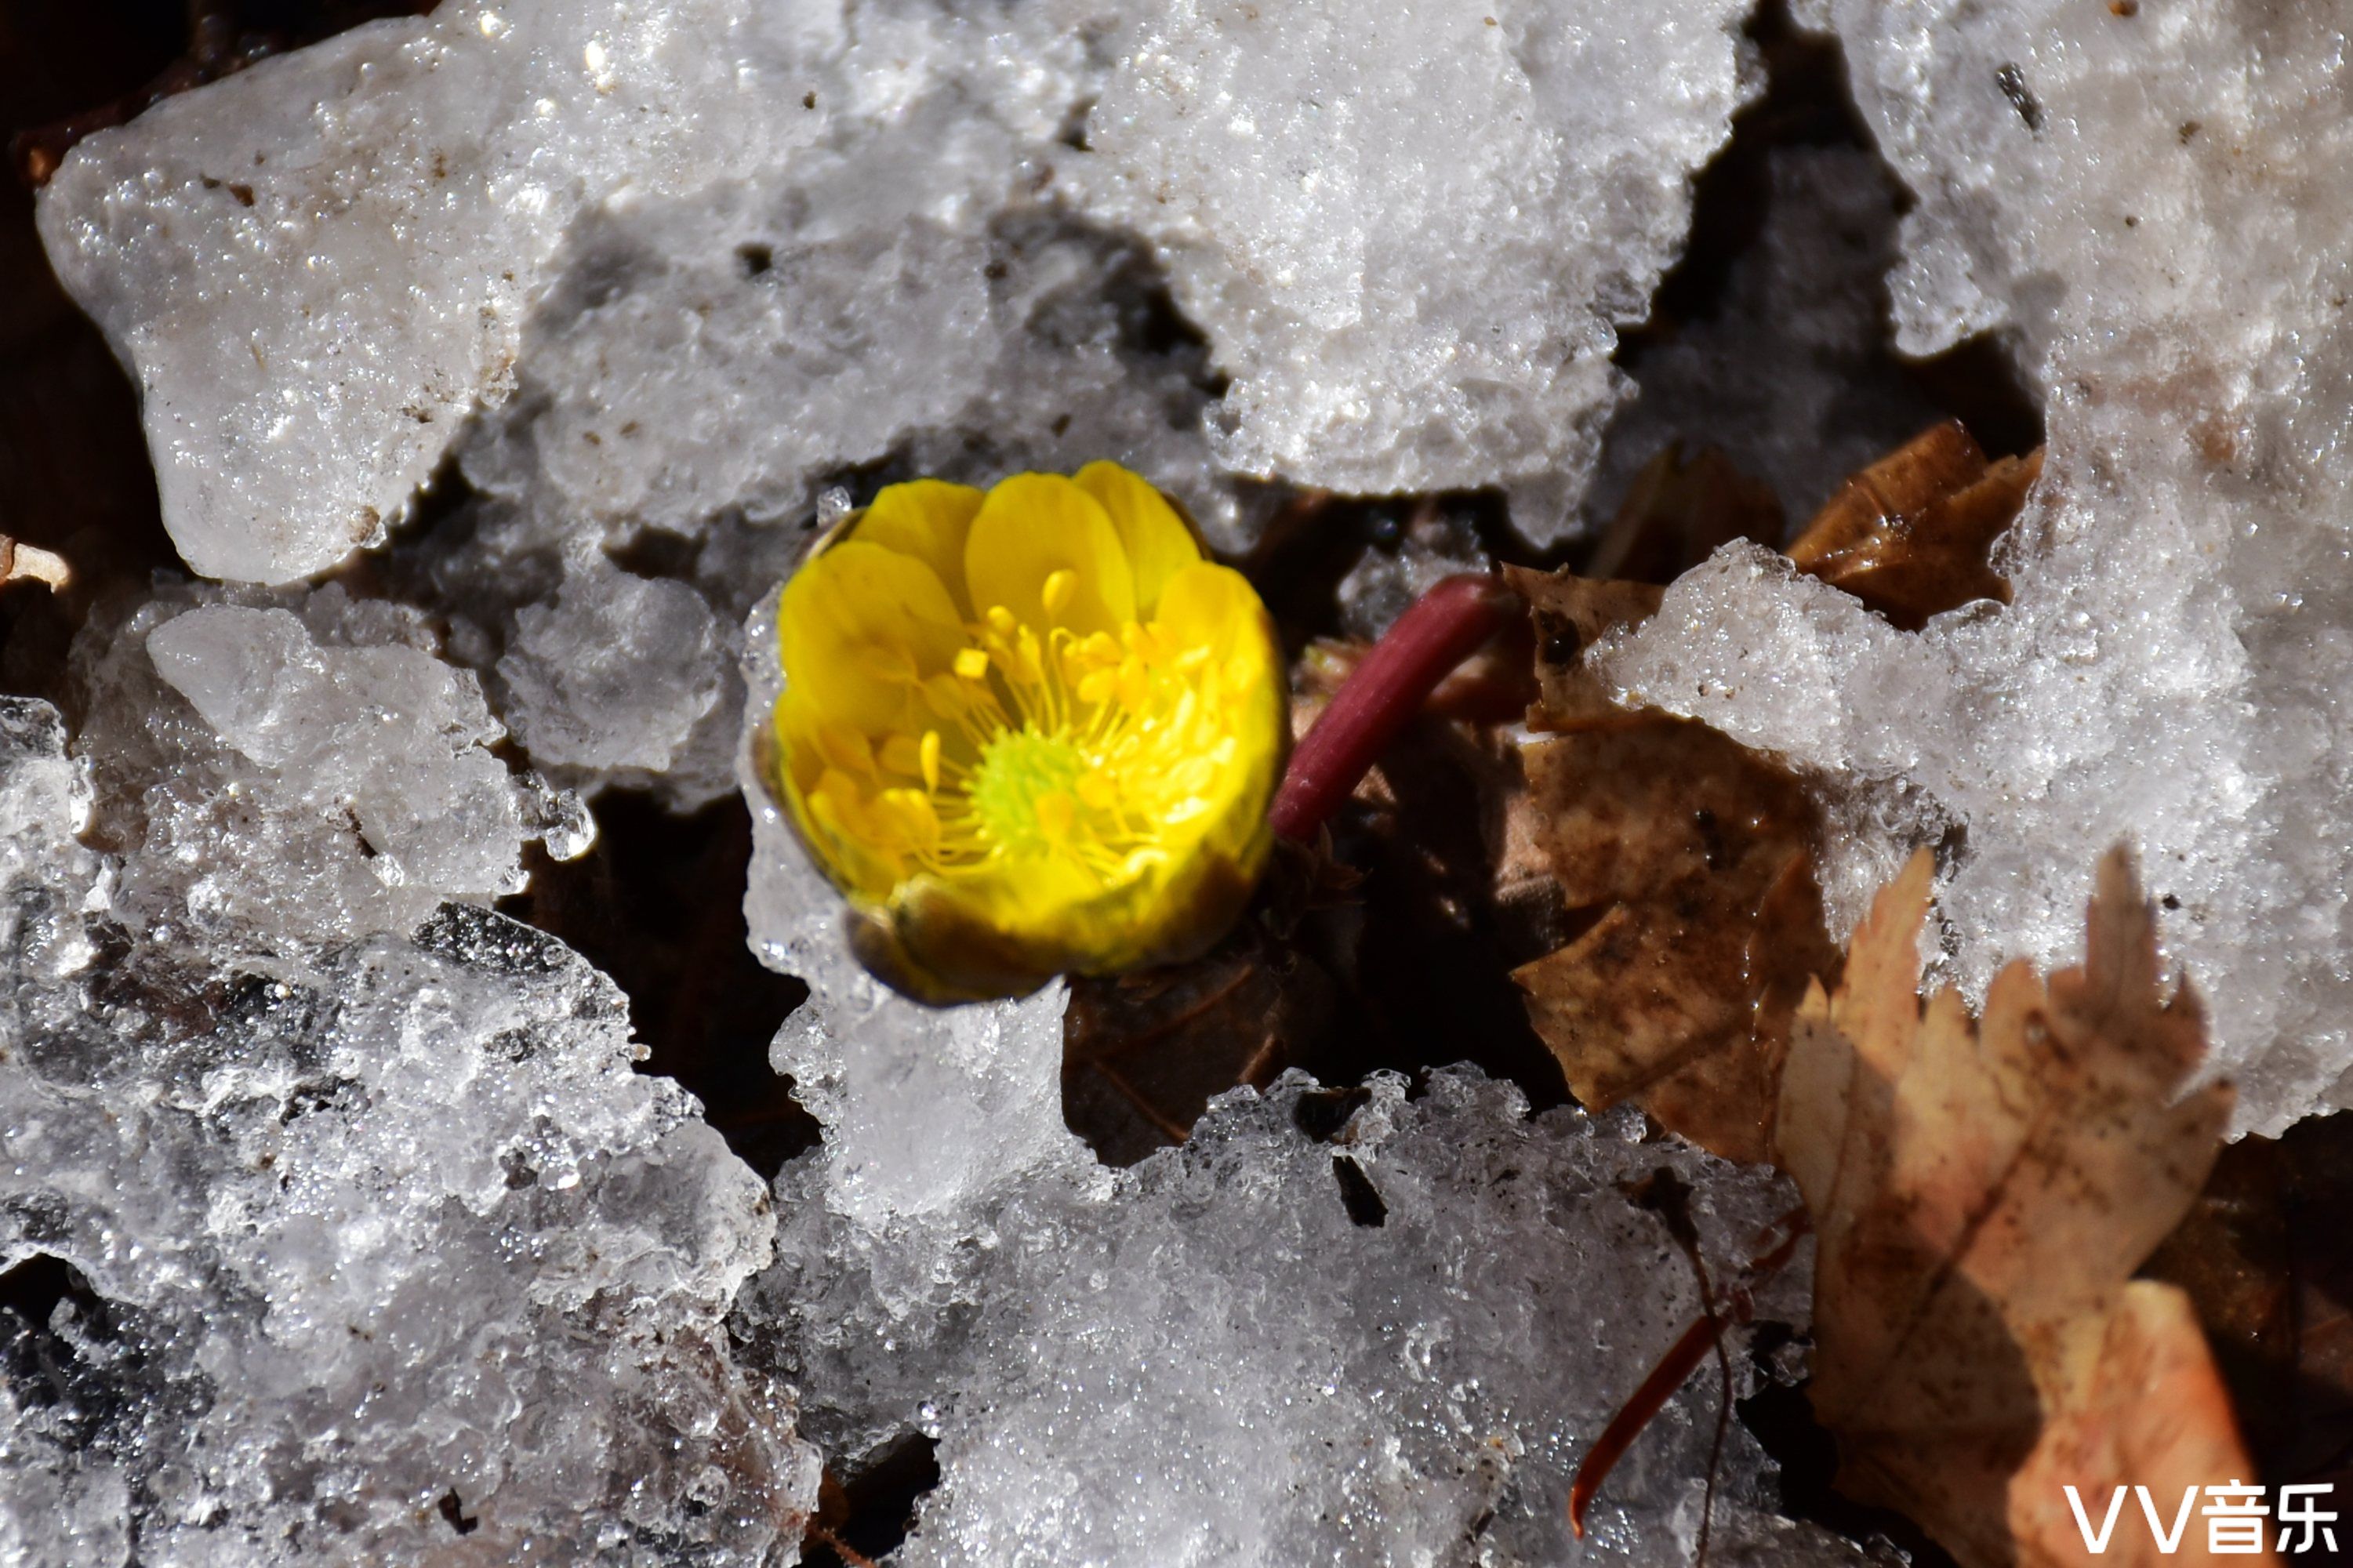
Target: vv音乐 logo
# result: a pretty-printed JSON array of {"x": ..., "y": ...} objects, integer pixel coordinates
[{"x": 2235, "y": 1517}]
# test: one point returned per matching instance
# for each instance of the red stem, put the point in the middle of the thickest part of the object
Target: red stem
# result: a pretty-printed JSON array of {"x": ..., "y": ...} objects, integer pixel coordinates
[
  {"x": 1675, "y": 1368},
  {"x": 1387, "y": 689}
]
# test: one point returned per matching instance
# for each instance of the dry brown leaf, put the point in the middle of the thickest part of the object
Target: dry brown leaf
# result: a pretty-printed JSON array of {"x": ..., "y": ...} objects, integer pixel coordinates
[
  {"x": 1982, "y": 1192},
  {"x": 1679, "y": 995},
  {"x": 2266, "y": 1256},
  {"x": 1687, "y": 890},
  {"x": 1684, "y": 870},
  {"x": 1909, "y": 535},
  {"x": 2134, "y": 1398},
  {"x": 1144, "y": 1054}
]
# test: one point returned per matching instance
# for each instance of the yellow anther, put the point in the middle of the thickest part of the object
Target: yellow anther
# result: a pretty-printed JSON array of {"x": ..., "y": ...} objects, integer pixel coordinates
[
  {"x": 913, "y": 809},
  {"x": 929, "y": 756},
  {"x": 971, "y": 663},
  {"x": 1060, "y": 586}
]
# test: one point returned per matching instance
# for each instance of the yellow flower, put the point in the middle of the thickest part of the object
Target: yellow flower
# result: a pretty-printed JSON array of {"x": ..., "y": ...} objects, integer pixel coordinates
[{"x": 1027, "y": 732}]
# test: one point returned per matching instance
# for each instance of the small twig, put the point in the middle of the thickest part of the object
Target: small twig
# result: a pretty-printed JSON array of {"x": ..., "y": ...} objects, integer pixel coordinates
[
  {"x": 1675, "y": 1368},
  {"x": 850, "y": 1556},
  {"x": 1385, "y": 689}
]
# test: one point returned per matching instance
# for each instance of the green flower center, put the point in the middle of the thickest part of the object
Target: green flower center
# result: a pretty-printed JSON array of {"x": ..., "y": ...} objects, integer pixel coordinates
[{"x": 1025, "y": 790}]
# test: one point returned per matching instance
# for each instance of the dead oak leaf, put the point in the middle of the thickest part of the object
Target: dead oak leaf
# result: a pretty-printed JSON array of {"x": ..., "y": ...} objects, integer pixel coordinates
[{"x": 1982, "y": 1192}]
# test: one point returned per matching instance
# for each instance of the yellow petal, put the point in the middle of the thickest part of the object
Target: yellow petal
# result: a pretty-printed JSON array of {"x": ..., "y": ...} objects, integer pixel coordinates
[
  {"x": 927, "y": 518},
  {"x": 796, "y": 723},
  {"x": 1214, "y": 608},
  {"x": 852, "y": 615},
  {"x": 1034, "y": 525},
  {"x": 1158, "y": 543},
  {"x": 1206, "y": 609},
  {"x": 844, "y": 747},
  {"x": 832, "y": 814}
]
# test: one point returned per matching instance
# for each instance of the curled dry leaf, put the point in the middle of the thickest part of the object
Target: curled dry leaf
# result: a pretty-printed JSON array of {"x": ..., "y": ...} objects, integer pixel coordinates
[
  {"x": 1982, "y": 1193},
  {"x": 1684, "y": 870},
  {"x": 1909, "y": 535}
]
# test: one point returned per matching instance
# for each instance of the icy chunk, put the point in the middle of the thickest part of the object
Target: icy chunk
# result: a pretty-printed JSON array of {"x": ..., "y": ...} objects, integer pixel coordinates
[
  {"x": 1410, "y": 230},
  {"x": 390, "y": 1259},
  {"x": 615, "y": 673},
  {"x": 1392, "y": 1347},
  {"x": 1361, "y": 1352},
  {"x": 2170, "y": 673},
  {"x": 59, "y": 1502},
  {"x": 51, "y": 881},
  {"x": 718, "y": 252},
  {"x": 301, "y": 767},
  {"x": 774, "y": 224},
  {"x": 730, "y": 351},
  {"x": 317, "y": 267}
]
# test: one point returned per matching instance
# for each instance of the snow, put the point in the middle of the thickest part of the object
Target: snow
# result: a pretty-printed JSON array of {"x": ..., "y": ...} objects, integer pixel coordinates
[
  {"x": 390, "y": 1223},
  {"x": 2156, "y": 230},
  {"x": 577, "y": 318}
]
